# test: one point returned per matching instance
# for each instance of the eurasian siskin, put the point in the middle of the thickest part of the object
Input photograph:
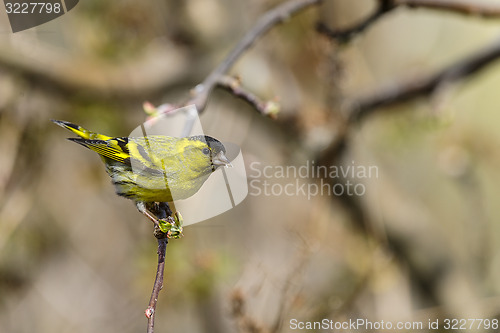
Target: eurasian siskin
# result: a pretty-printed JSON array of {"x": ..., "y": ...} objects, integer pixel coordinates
[{"x": 154, "y": 168}]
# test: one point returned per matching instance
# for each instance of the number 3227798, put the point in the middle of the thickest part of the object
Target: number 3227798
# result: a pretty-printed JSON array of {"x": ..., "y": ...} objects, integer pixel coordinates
[{"x": 32, "y": 7}]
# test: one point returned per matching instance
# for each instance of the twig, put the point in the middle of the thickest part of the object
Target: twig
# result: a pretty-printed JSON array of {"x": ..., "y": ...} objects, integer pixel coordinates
[
  {"x": 385, "y": 6},
  {"x": 345, "y": 35},
  {"x": 405, "y": 91},
  {"x": 161, "y": 210},
  {"x": 264, "y": 24},
  {"x": 158, "y": 285},
  {"x": 460, "y": 7},
  {"x": 233, "y": 85}
]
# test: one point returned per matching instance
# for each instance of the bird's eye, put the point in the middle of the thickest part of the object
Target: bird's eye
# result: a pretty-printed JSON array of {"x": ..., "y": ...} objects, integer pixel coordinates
[{"x": 205, "y": 151}]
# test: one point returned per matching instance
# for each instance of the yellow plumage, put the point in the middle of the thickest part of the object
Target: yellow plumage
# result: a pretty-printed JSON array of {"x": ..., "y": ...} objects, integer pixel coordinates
[{"x": 154, "y": 168}]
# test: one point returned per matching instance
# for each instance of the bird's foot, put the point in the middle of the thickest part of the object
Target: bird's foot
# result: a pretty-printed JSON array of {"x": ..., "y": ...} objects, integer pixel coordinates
[{"x": 171, "y": 226}]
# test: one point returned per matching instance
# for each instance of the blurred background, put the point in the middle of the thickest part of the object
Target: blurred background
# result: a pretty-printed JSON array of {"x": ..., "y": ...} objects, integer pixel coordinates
[{"x": 420, "y": 244}]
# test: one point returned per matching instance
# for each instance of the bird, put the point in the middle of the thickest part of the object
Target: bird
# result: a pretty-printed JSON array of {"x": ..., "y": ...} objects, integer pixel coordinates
[{"x": 155, "y": 168}]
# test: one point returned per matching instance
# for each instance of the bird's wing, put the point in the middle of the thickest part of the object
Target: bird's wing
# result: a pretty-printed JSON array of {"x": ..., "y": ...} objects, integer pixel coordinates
[
  {"x": 115, "y": 149},
  {"x": 153, "y": 155},
  {"x": 156, "y": 152}
]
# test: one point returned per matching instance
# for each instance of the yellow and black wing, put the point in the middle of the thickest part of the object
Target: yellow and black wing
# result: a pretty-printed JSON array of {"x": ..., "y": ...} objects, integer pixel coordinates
[
  {"x": 114, "y": 149},
  {"x": 153, "y": 154},
  {"x": 140, "y": 153}
]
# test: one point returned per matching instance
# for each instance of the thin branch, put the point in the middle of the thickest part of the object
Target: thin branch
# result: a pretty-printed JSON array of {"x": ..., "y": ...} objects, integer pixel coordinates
[
  {"x": 471, "y": 8},
  {"x": 264, "y": 24},
  {"x": 460, "y": 7},
  {"x": 404, "y": 91},
  {"x": 233, "y": 85},
  {"x": 161, "y": 210},
  {"x": 347, "y": 34},
  {"x": 158, "y": 285}
]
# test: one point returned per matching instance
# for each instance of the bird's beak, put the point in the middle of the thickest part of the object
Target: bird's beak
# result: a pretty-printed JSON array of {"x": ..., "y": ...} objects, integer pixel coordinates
[{"x": 221, "y": 160}]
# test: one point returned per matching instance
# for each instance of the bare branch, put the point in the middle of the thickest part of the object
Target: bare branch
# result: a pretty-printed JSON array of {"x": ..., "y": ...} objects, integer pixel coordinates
[
  {"x": 161, "y": 210},
  {"x": 385, "y": 6},
  {"x": 233, "y": 85},
  {"x": 158, "y": 285},
  {"x": 345, "y": 35},
  {"x": 264, "y": 24},
  {"x": 470, "y": 7},
  {"x": 404, "y": 91}
]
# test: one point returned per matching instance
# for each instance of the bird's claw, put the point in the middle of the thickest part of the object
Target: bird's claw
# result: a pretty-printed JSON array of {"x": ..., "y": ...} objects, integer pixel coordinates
[{"x": 172, "y": 226}]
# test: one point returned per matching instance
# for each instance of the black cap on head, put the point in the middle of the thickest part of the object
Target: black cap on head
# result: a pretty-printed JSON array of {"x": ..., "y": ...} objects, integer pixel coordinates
[{"x": 213, "y": 143}]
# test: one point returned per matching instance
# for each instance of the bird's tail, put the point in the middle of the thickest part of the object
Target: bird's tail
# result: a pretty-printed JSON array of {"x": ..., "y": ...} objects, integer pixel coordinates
[{"x": 80, "y": 131}]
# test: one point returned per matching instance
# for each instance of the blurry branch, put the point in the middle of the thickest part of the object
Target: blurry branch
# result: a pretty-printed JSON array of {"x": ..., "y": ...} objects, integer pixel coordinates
[
  {"x": 245, "y": 323},
  {"x": 362, "y": 107},
  {"x": 13, "y": 211},
  {"x": 233, "y": 85},
  {"x": 471, "y": 7},
  {"x": 290, "y": 290},
  {"x": 404, "y": 91},
  {"x": 264, "y": 24},
  {"x": 345, "y": 35},
  {"x": 404, "y": 245},
  {"x": 10, "y": 142},
  {"x": 159, "y": 66},
  {"x": 385, "y": 6}
]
